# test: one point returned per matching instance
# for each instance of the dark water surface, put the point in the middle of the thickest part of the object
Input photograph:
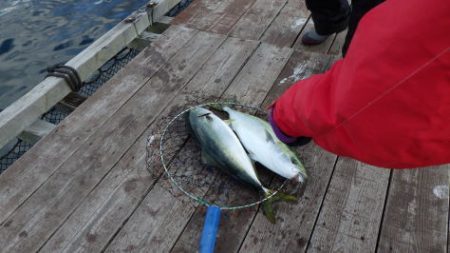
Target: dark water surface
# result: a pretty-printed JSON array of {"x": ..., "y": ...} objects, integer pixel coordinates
[{"x": 35, "y": 34}]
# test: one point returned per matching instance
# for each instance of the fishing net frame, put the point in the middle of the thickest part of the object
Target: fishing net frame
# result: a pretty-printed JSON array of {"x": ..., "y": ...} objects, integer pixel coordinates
[{"x": 174, "y": 139}]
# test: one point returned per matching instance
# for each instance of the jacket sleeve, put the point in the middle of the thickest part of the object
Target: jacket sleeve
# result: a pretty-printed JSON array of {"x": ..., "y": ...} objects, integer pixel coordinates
[
  {"x": 386, "y": 50},
  {"x": 387, "y": 102}
]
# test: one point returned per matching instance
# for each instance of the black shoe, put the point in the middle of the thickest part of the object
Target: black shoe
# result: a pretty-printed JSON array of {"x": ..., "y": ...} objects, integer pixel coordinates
[{"x": 312, "y": 38}]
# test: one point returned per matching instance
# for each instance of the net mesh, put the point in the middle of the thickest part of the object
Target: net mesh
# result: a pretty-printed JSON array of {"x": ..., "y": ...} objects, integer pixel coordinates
[
  {"x": 176, "y": 155},
  {"x": 16, "y": 150}
]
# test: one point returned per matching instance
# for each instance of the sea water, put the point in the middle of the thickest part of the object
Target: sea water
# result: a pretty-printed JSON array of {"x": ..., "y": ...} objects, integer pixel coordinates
[{"x": 35, "y": 34}]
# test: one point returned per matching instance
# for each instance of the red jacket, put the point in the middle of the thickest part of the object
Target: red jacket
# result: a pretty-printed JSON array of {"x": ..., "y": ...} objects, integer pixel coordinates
[{"x": 387, "y": 103}]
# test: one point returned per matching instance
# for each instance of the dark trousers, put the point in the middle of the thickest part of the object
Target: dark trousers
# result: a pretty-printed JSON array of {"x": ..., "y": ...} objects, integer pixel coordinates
[{"x": 331, "y": 16}]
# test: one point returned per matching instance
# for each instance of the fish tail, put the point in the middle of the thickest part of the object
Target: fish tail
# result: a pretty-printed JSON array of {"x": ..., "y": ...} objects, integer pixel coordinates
[
  {"x": 267, "y": 205},
  {"x": 268, "y": 211}
]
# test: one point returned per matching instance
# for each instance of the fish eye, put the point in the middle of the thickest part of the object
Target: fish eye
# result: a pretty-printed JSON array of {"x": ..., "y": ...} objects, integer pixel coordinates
[{"x": 293, "y": 160}]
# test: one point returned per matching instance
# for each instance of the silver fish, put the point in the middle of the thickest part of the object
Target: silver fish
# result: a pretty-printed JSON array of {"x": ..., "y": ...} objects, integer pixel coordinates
[
  {"x": 262, "y": 145},
  {"x": 221, "y": 148}
]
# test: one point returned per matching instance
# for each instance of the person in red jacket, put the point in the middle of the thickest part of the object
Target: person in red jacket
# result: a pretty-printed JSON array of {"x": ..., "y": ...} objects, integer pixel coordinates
[{"x": 387, "y": 102}]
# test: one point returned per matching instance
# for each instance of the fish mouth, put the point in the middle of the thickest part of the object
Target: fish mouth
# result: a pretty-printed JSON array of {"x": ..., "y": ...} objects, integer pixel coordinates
[{"x": 299, "y": 178}]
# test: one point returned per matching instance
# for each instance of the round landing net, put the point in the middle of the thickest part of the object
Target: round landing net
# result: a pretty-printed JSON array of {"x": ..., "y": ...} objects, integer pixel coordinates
[{"x": 180, "y": 157}]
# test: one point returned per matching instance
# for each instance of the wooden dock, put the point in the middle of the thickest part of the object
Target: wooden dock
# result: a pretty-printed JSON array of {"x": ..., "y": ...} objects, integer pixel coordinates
[{"x": 85, "y": 186}]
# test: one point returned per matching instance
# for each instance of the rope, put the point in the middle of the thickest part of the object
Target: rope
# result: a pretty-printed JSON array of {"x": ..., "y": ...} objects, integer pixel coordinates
[{"x": 69, "y": 74}]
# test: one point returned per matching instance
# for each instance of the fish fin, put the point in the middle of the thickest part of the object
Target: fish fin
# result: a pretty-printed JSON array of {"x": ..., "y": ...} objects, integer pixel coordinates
[
  {"x": 268, "y": 211},
  {"x": 281, "y": 196},
  {"x": 269, "y": 137},
  {"x": 267, "y": 205}
]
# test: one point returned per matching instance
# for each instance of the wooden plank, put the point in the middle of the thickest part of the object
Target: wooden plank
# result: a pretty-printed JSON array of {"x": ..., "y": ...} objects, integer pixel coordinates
[
  {"x": 103, "y": 212},
  {"x": 38, "y": 164},
  {"x": 221, "y": 16},
  {"x": 288, "y": 24},
  {"x": 51, "y": 204},
  {"x": 16, "y": 117},
  {"x": 416, "y": 216},
  {"x": 196, "y": 11},
  {"x": 36, "y": 131},
  {"x": 231, "y": 14},
  {"x": 352, "y": 211},
  {"x": 253, "y": 23},
  {"x": 214, "y": 16},
  {"x": 323, "y": 47},
  {"x": 159, "y": 232},
  {"x": 210, "y": 16},
  {"x": 96, "y": 220}
]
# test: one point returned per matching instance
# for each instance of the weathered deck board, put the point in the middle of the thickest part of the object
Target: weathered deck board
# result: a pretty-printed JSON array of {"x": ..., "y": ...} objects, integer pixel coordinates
[
  {"x": 96, "y": 220},
  {"x": 351, "y": 213},
  {"x": 257, "y": 19},
  {"x": 214, "y": 16},
  {"x": 287, "y": 25},
  {"x": 89, "y": 219},
  {"x": 212, "y": 12},
  {"x": 37, "y": 165},
  {"x": 416, "y": 216},
  {"x": 157, "y": 239},
  {"x": 38, "y": 218},
  {"x": 228, "y": 18},
  {"x": 196, "y": 12}
]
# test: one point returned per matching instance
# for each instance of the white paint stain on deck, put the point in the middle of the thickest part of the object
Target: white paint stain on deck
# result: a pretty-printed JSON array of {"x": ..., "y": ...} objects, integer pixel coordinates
[
  {"x": 298, "y": 23},
  {"x": 298, "y": 74},
  {"x": 441, "y": 191}
]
